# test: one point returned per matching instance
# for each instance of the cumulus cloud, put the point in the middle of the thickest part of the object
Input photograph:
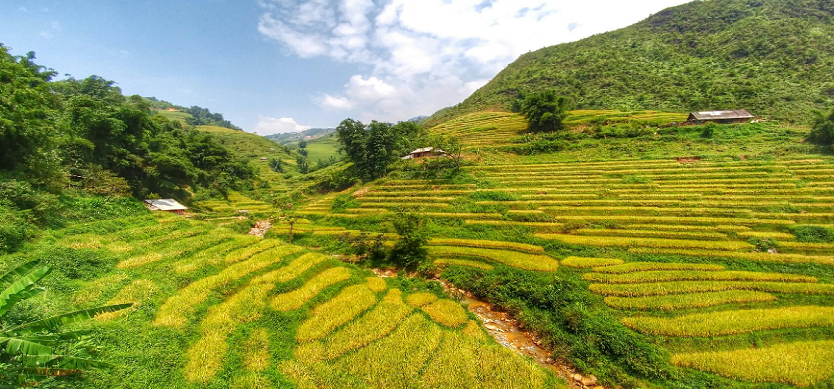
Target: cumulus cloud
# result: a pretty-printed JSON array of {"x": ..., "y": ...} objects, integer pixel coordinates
[
  {"x": 269, "y": 126},
  {"x": 427, "y": 54}
]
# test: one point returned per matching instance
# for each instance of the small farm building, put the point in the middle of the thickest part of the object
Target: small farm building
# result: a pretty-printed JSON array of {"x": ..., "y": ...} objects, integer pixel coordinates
[
  {"x": 424, "y": 152},
  {"x": 720, "y": 117},
  {"x": 167, "y": 205}
]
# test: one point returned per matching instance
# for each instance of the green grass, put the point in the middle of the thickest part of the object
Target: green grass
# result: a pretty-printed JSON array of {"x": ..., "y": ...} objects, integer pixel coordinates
[{"x": 693, "y": 275}]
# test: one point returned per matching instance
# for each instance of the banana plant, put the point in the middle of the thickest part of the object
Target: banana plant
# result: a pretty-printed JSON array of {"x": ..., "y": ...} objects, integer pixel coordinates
[{"x": 28, "y": 350}]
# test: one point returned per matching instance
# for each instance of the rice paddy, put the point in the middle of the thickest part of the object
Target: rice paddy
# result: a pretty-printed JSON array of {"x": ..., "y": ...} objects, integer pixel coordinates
[{"x": 734, "y": 322}]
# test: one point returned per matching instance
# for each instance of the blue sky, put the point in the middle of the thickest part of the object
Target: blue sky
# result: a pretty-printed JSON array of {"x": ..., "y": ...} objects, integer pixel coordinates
[{"x": 282, "y": 65}]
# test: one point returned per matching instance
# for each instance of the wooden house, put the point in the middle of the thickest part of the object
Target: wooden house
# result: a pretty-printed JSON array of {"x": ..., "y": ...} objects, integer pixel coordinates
[{"x": 720, "y": 117}]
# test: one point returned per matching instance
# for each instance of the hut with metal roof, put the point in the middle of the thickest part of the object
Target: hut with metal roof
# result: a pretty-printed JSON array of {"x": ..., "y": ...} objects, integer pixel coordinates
[
  {"x": 166, "y": 205},
  {"x": 720, "y": 117},
  {"x": 424, "y": 152}
]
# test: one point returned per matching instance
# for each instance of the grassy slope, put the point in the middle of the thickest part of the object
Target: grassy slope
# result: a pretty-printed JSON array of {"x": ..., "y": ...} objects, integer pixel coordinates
[
  {"x": 253, "y": 147},
  {"x": 175, "y": 116},
  {"x": 320, "y": 148},
  {"x": 770, "y": 56}
]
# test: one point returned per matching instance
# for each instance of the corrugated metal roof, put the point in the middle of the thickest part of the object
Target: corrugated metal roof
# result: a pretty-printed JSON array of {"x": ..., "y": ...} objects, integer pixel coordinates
[
  {"x": 721, "y": 115},
  {"x": 423, "y": 150},
  {"x": 165, "y": 205}
]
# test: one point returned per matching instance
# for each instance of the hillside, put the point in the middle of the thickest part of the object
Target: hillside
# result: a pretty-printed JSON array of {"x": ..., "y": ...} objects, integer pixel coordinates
[
  {"x": 292, "y": 137},
  {"x": 773, "y": 57}
]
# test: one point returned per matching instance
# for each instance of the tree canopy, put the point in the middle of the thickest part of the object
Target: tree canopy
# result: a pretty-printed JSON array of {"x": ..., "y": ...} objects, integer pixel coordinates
[
  {"x": 544, "y": 111},
  {"x": 372, "y": 147}
]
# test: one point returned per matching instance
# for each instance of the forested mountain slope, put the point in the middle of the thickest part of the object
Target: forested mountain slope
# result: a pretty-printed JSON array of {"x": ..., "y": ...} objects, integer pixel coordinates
[{"x": 774, "y": 57}]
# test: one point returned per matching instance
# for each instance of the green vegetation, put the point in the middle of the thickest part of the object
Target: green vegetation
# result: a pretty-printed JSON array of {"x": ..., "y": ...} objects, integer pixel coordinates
[
  {"x": 545, "y": 112},
  {"x": 697, "y": 56}
]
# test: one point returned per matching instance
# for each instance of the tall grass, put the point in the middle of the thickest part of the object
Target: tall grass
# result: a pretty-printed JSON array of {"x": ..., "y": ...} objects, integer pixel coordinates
[
  {"x": 373, "y": 325},
  {"x": 395, "y": 361},
  {"x": 689, "y": 300},
  {"x": 516, "y": 259},
  {"x": 681, "y": 287},
  {"x": 291, "y": 301},
  {"x": 799, "y": 363},
  {"x": 632, "y": 267},
  {"x": 647, "y": 242},
  {"x": 446, "y": 312},
  {"x": 734, "y": 322},
  {"x": 487, "y": 244},
  {"x": 586, "y": 263},
  {"x": 206, "y": 356},
  {"x": 326, "y": 317},
  {"x": 693, "y": 275},
  {"x": 178, "y": 307}
]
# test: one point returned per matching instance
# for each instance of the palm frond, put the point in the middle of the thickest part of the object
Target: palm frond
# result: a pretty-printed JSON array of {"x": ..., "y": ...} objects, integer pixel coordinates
[
  {"x": 18, "y": 272},
  {"x": 21, "y": 288},
  {"x": 53, "y": 323},
  {"x": 18, "y": 346}
]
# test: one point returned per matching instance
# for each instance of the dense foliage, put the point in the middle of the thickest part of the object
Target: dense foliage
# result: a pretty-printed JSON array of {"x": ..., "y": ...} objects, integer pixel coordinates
[
  {"x": 199, "y": 116},
  {"x": 29, "y": 351},
  {"x": 822, "y": 132},
  {"x": 85, "y": 134},
  {"x": 773, "y": 57},
  {"x": 371, "y": 148},
  {"x": 544, "y": 111}
]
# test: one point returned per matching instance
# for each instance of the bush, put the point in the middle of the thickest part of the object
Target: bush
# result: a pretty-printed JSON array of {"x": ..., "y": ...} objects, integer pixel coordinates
[
  {"x": 15, "y": 229},
  {"x": 814, "y": 234},
  {"x": 343, "y": 202},
  {"x": 410, "y": 252}
]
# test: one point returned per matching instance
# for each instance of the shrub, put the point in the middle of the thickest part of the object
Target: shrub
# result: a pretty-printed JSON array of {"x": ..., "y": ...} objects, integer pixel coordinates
[
  {"x": 813, "y": 234},
  {"x": 344, "y": 201},
  {"x": 409, "y": 251}
]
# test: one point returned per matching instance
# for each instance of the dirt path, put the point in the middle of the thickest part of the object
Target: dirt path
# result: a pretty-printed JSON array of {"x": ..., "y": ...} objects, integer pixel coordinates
[{"x": 260, "y": 228}]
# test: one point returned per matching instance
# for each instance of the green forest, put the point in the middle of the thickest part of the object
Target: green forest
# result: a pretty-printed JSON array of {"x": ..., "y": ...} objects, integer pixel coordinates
[{"x": 58, "y": 136}]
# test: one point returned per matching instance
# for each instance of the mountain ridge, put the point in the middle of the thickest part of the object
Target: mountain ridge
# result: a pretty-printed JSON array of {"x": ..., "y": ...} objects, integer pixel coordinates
[{"x": 772, "y": 57}]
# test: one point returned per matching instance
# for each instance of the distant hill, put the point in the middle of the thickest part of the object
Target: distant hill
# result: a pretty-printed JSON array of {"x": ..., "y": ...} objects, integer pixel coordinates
[
  {"x": 292, "y": 137},
  {"x": 418, "y": 119},
  {"x": 773, "y": 57},
  {"x": 194, "y": 115}
]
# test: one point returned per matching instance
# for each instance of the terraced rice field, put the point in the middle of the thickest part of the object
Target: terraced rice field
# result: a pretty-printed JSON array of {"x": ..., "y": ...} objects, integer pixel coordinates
[
  {"x": 484, "y": 129},
  {"x": 706, "y": 209},
  {"x": 247, "y": 312},
  {"x": 693, "y": 252},
  {"x": 237, "y": 204},
  {"x": 686, "y": 300}
]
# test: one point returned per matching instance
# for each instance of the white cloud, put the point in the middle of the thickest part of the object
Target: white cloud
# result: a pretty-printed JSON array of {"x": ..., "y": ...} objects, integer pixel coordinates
[
  {"x": 268, "y": 126},
  {"x": 427, "y": 54}
]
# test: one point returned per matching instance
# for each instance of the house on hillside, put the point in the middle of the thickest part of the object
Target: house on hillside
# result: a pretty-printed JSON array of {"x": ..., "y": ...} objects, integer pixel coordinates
[
  {"x": 166, "y": 205},
  {"x": 720, "y": 117},
  {"x": 424, "y": 152}
]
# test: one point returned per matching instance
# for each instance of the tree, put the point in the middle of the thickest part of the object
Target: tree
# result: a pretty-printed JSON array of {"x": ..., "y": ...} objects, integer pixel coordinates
[
  {"x": 452, "y": 146},
  {"x": 27, "y": 116},
  {"x": 302, "y": 144},
  {"x": 29, "y": 349},
  {"x": 410, "y": 251},
  {"x": 303, "y": 164},
  {"x": 277, "y": 165},
  {"x": 544, "y": 111},
  {"x": 822, "y": 132},
  {"x": 371, "y": 148}
]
